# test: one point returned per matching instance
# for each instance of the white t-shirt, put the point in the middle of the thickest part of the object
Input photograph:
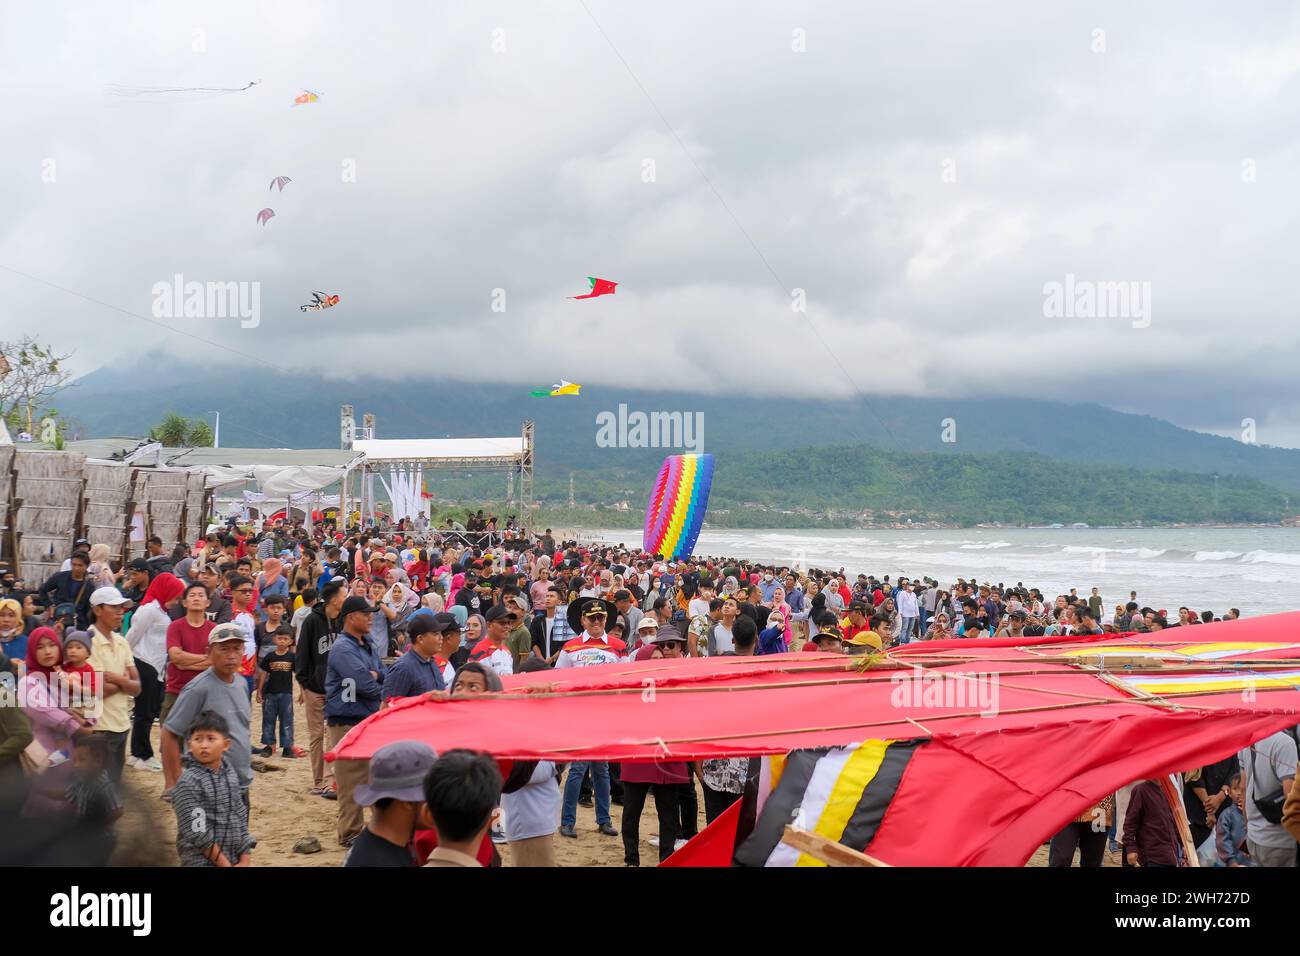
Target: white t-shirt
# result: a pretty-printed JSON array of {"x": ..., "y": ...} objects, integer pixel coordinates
[
  {"x": 723, "y": 639},
  {"x": 534, "y": 809}
]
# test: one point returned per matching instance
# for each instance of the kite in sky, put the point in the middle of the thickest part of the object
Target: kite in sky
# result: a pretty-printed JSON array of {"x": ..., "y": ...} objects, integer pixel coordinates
[
  {"x": 320, "y": 300},
  {"x": 564, "y": 388},
  {"x": 598, "y": 287},
  {"x": 305, "y": 97},
  {"x": 280, "y": 181},
  {"x": 265, "y": 215}
]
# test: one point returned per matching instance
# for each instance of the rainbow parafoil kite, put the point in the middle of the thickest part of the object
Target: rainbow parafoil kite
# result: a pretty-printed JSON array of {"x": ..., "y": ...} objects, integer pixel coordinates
[{"x": 675, "y": 512}]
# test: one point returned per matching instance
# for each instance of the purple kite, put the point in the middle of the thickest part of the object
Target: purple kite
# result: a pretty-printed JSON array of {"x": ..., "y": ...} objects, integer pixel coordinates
[
  {"x": 265, "y": 214},
  {"x": 280, "y": 181}
]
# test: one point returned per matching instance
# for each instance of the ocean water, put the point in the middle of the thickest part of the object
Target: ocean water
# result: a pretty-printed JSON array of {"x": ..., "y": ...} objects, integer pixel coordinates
[{"x": 1254, "y": 569}]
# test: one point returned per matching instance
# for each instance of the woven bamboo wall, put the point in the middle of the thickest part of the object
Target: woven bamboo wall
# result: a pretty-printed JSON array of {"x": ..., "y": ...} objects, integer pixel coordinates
[
  {"x": 104, "y": 516},
  {"x": 164, "y": 491},
  {"x": 48, "y": 492},
  {"x": 195, "y": 499}
]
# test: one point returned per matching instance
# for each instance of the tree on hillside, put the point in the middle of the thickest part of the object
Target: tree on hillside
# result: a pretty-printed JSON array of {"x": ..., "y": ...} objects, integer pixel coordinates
[
  {"x": 199, "y": 435},
  {"x": 30, "y": 374}
]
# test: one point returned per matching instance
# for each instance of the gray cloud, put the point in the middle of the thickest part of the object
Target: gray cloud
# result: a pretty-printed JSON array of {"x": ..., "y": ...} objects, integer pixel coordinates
[{"x": 522, "y": 170}]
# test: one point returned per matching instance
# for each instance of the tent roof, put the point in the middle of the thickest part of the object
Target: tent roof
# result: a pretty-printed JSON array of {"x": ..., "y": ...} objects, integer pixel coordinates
[
  {"x": 379, "y": 450},
  {"x": 116, "y": 448}
]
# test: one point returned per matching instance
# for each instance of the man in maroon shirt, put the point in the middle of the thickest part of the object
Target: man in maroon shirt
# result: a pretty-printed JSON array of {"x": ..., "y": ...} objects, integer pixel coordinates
[{"x": 187, "y": 644}]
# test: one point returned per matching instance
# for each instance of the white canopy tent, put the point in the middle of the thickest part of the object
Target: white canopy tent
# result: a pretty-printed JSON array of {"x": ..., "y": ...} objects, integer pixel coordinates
[{"x": 407, "y": 460}]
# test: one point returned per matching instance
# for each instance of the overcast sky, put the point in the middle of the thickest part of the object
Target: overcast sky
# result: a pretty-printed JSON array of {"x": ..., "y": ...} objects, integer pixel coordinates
[{"x": 920, "y": 170}]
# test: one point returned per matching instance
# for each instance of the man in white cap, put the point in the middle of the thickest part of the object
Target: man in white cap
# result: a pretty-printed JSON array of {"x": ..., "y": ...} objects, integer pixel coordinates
[
  {"x": 646, "y": 629},
  {"x": 395, "y": 794},
  {"x": 113, "y": 661}
]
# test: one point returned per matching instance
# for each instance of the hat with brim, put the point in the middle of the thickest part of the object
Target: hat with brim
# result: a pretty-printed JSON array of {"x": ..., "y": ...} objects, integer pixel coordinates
[
  {"x": 827, "y": 636},
  {"x": 229, "y": 631},
  {"x": 578, "y": 609},
  {"x": 397, "y": 772}
]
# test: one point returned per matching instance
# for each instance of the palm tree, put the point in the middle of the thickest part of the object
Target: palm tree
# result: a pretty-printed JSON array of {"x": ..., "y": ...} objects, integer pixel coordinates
[
  {"x": 199, "y": 435},
  {"x": 172, "y": 431}
]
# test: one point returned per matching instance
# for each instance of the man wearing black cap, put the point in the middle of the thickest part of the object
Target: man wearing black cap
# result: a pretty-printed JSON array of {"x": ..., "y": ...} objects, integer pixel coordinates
[
  {"x": 354, "y": 680},
  {"x": 135, "y": 580},
  {"x": 320, "y": 629},
  {"x": 417, "y": 671},
  {"x": 468, "y": 596}
]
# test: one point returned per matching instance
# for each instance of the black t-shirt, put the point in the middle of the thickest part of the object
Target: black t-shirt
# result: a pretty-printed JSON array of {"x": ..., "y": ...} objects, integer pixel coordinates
[
  {"x": 468, "y": 598},
  {"x": 371, "y": 850},
  {"x": 279, "y": 670}
]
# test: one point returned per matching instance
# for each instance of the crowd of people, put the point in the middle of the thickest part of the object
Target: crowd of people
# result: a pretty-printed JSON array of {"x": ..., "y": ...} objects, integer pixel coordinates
[{"x": 193, "y": 638}]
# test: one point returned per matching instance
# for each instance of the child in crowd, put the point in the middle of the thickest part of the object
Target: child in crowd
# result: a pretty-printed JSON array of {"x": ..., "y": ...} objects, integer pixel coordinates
[
  {"x": 91, "y": 794},
  {"x": 304, "y": 603},
  {"x": 275, "y": 607},
  {"x": 211, "y": 818},
  {"x": 1230, "y": 830},
  {"x": 78, "y": 675},
  {"x": 275, "y": 693}
]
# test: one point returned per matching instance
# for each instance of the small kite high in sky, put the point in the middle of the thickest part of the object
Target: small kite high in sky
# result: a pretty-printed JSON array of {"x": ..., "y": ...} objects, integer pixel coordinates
[
  {"x": 598, "y": 287},
  {"x": 305, "y": 97},
  {"x": 320, "y": 300},
  {"x": 563, "y": 388},
  {"x": 265, "y": 215},
  {"x": 280, "y": 181}
]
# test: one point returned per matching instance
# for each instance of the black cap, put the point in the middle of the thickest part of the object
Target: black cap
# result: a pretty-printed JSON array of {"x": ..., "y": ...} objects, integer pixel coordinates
[
  {"x": 355, "y": 605},
  {"x": 447, "y": 621},
  {"x": 496, "y": 612},
  {"x": 138, "y": 564}
]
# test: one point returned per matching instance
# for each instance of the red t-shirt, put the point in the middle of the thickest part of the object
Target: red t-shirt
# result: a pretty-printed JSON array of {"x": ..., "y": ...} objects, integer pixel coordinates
[
  {"x": 192, "y": 640},
  {"x": 87, "y": 675}
]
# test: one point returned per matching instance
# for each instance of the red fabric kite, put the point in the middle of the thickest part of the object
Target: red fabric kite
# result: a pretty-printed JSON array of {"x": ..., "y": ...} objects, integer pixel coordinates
[
  {"x": 985, "y": 747},
  {"x": 598, "y": 287}
]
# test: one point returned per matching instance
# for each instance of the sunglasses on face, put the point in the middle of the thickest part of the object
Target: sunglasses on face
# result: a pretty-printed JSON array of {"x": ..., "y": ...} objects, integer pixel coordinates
[{"x": 669, "y": 645}]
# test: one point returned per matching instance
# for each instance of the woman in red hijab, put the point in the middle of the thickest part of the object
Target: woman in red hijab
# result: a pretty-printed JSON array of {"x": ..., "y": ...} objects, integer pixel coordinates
[
  {"x": 52, "y": 726},
  {"x": 147, "y": 636}
]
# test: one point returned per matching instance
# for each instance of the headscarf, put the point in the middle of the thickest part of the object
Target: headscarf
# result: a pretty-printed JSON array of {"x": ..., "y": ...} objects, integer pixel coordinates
[
  {"x": 271, "y": 568},
  {"x": 34, "y": 641},
  {"x": 482, "y": 630},
  {"x": 99, "y": 570},
  {"x": 457, "y": 582},
  {"x": 434, "y": 602},
  {"x": 165, "y": 587},
  {"x": 9, "y": 604},
  {"x": 407, "y": 600}
]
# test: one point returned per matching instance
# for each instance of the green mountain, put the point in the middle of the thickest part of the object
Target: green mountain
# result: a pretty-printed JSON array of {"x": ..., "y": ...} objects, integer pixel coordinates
[{"x": 1011, "y": 460}]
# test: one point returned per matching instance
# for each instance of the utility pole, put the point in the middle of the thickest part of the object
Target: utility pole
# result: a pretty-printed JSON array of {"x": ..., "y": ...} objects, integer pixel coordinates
[
  {"x": 216, "y": 432},
  {"x": 570, "y": 489}
]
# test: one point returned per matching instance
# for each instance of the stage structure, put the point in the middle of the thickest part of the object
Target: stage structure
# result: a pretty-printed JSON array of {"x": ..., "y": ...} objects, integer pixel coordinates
[{"x": 402, "y": 464}]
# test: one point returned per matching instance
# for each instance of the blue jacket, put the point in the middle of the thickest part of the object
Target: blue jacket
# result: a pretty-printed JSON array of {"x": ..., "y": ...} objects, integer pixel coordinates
[
  {"x": 411, "y": 675},
  {"x": 771, "y": 640},
  {"x": 351, "y": 694}
]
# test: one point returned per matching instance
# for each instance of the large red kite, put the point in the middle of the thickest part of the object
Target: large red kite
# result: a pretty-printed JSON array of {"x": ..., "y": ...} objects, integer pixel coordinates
[{"x": 963, "y": 752}]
